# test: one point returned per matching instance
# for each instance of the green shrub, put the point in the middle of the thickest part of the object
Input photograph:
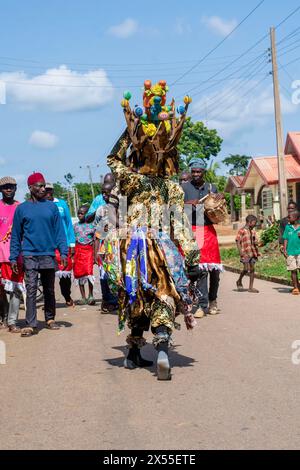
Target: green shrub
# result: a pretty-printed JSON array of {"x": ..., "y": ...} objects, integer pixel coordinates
[{"x": 270, "y": 234}]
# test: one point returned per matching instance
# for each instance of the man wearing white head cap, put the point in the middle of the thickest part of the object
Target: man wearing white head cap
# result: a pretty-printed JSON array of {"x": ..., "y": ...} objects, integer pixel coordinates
[{"x": 210, "y": 264}]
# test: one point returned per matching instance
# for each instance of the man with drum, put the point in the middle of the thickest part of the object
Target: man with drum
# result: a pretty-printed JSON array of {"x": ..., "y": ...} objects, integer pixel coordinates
[{"x": 210, "y": 264}]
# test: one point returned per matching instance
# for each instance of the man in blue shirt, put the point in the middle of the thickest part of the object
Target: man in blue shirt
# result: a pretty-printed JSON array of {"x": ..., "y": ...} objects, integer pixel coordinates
[{"x": 37, "y": 231}]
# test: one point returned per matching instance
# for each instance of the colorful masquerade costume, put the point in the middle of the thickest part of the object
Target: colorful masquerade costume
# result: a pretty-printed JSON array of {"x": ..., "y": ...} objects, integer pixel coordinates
[{"x": 142, "y": 258}]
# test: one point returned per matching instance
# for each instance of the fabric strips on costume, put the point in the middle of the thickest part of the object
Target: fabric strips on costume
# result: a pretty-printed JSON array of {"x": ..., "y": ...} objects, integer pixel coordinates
[
  {"x": 84, "y": 263},
  {"x": 207, "y": 240},
  {"x": 175, "y": 264},
  {"x": 136, "y": 265}
]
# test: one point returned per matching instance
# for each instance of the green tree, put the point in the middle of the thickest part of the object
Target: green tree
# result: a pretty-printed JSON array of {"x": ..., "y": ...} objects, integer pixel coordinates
[
  {"x": 238, "y": 163},
  {"x": 197, "y": 141},
  {"x": 84, "y": 192},
  {"x": 60, "y": 191}
]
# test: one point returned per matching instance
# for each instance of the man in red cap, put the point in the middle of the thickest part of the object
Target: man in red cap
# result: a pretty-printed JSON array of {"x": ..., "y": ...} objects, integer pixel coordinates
[{"x": 37, "y": 232}]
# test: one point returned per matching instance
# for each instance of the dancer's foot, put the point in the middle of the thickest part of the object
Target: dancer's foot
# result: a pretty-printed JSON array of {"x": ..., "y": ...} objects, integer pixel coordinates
[
  {"x": 163, "y": 366},
  {"x": 134, "y": 360}
]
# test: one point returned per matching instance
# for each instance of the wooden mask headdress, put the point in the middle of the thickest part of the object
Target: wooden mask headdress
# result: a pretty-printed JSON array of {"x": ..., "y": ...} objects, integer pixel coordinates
[{"x": 154, "y": 131}]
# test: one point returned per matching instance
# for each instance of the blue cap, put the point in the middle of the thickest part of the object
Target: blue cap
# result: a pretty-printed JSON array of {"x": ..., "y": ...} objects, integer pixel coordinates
[{"x": 198, "y": 163}]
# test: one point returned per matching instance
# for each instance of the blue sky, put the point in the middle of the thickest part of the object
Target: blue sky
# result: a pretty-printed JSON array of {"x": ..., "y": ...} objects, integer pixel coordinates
[{"x": 66, "y": 65}]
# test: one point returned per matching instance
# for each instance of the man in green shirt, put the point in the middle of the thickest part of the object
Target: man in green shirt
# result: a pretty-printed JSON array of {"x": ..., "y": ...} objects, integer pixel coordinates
[{"x": 291, "y": 248}]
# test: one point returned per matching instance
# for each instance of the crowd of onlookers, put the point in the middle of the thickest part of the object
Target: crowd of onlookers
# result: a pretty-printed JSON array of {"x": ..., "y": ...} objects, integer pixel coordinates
[{"x": 39, "y": 243}]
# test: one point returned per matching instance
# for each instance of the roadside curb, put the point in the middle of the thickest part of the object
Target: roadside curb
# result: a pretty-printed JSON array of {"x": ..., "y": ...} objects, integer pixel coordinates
[{"x": 263, "y": 277}]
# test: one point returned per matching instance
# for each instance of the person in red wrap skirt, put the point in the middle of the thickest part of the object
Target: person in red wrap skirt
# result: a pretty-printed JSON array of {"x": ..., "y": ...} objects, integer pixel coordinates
[{"x": 84, "y": 256}]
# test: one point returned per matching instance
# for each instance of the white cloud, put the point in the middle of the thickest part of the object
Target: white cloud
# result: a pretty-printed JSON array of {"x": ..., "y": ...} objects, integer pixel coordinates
[
  {"x": 219, "y": 25},
  {"x": 2, "y": 161},
  {"x": 182, "y": 26},
  {"x": 59, "y": 89},
  {"x": 232, "y": 114},
  {"x": 43, "y": 140},
  {"x": 20, "y": 178},
  {"x": 22, "y": 186},
  {"x": 124, "y": 30}
]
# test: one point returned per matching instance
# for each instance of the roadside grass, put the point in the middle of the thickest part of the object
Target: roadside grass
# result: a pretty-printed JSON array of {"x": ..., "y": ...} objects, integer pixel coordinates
[{"x": 271, "y": 263}]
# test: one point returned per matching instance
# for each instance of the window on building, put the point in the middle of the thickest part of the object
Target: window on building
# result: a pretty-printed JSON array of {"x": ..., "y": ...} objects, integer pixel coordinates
[
  {"x": 290, "y": 193},
  {"x": 267, "y": 199}
]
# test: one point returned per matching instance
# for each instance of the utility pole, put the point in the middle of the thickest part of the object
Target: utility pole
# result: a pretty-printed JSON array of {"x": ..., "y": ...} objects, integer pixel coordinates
[
  {"x": 91, "y": 179},
  {"x": 283, "y": 194},
  {"x": 77, "y": 197},
  {"x": 74, "y": 200}
]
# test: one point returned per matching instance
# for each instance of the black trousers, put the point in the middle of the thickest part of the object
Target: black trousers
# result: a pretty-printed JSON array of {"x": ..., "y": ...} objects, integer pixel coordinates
[
  {"x": 65, "y": 288},
  {"x": 45, "y": 265},
  {"x": 207, "y": 292}
]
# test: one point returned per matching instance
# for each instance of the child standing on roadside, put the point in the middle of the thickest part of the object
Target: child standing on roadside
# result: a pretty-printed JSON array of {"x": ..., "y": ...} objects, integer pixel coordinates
[
  {"x": 84, "y": 256},
  {"x": 246, "y": 241},
  {"x": 291, "y": 248}
]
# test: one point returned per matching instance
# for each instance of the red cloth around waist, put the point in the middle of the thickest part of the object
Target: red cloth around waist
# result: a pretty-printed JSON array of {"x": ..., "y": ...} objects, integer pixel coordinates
[
  {"x": 7, "y": 273},
  {"x": 60, "y": 266},
  {"x": 207, "y": 241},
  {"x": 83, "y": 261}
]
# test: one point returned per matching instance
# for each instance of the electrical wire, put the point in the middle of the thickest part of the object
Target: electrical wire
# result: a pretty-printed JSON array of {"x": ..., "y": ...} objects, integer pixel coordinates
[{"x": 219, "y": 44}]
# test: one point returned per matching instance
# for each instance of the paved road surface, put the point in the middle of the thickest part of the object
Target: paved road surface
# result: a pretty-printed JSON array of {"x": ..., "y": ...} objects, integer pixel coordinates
[{"x": 234, "y": 385}]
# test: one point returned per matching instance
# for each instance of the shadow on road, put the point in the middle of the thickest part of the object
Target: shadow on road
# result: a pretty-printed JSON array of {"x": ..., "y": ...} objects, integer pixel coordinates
[
  {"x": 176, "y": 359},
  {"x": 42, "y": 324},
  {"x": 283, "y": 290}
]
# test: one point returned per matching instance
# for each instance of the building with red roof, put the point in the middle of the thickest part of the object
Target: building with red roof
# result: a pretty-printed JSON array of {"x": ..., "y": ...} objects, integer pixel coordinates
[{"x": 261, "y": 180}]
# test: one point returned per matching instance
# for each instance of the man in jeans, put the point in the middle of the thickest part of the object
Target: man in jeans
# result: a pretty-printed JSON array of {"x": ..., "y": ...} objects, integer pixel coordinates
[
  {"x": 37, "y": 232},
  {"x": 206, "y": 279}
]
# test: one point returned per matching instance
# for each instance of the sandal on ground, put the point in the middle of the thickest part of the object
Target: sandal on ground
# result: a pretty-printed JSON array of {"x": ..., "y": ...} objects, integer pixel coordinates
[
  {"x": 3, "y": 326},
  {"x": 14, "y": 329},
  {"x": 82, "y": 302},
  {"x": 295, "y": 292},
  {"x": 253, "y": 291},
  {"x": 52, "y": 325},
  {"x": 107, "y": 308},
  {"x": 28, "y": 331},
  {"x": 70, "y": 303},
  {"x": 91, "y": 301}
]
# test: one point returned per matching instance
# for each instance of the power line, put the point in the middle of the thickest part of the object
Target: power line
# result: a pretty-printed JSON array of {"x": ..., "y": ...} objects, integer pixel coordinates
[
  {"x": 249, "y": 64},
  {"x": 219, "y": 44},
  {"x": 150, "y": 64},
  {"x": 243, "y": 96},
  {"x": 249, "y": 49},
  {"x": 231, "y": 91},
  {"x": 289, "y": 36},
  {"x": 285, "y": 71}
]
